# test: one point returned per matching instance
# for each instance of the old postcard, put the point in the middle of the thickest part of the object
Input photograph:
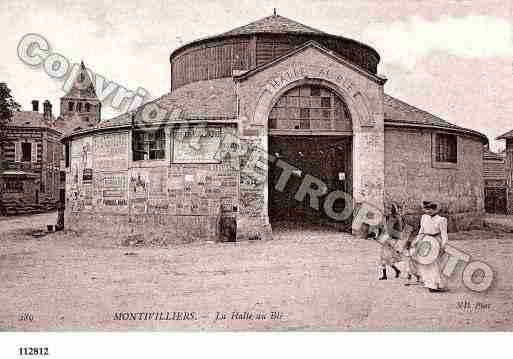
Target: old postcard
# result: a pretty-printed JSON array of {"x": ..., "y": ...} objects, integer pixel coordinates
[{"x": 233, "y": 166}]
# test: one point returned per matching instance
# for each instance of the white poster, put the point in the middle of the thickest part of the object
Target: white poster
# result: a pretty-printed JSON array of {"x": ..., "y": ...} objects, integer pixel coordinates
[{"x": 196, "y": 145}]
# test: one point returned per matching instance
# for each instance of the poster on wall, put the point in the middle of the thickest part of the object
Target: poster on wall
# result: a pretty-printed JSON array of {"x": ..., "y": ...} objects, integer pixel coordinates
[
  {"x": 196, "y": 145},
  {"x": 88, "y": 196},
  {"x": 158, "y": 202},
  {"x": 81, "y": 152},
  {"x": 87, "y": 175},
  {"x": 139, "y": 187},
  {"x": 251, "y": 189},
  {"x": 202, "y": 192},
  {"x": 110, "y": 151},
  {"x": 114, "y": 191}
]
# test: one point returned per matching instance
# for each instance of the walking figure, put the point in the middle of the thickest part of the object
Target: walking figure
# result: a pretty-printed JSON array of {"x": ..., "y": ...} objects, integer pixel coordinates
[{"x": 389, "y": 235}]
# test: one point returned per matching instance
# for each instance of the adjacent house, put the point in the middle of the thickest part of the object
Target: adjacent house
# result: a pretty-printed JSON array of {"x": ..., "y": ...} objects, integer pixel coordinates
[
  {"x": 30, "y": 172},
  {"x": 495, "y": 182},
  {"x": 31, "y": 179},
  {"x": 508, "y": 138}
]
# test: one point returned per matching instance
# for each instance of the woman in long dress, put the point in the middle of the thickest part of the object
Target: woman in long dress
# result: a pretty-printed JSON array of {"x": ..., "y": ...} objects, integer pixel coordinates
[{"x": 433, "y": 229}]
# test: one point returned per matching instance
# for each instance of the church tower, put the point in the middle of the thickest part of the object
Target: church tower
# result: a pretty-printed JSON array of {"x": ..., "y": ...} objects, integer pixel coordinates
[{"x": 81, "y": 108}]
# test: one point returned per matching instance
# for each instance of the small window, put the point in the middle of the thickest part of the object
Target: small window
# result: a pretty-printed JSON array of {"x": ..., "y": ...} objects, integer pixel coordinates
[
  {"x": 87, "y": 107},
  {"x": 446, "y": 148},
  {"x": 26, "y": 152},
  {"x": 149, "y": 145},
  {"x": 70, "y": 106},
  {"x": 79, "y": 107},
  {"x": 42, "y": 187}
]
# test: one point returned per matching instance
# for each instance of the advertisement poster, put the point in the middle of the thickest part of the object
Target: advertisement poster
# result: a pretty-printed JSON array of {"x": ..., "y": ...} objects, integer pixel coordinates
[
  {"x": 110, "y": 151},
  {"x": 196, "y": 145},
  {"x": 114, "y": 191}
]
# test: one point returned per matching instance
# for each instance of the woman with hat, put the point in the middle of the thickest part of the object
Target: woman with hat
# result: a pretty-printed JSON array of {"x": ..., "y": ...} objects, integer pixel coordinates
[{"x": 429, "y": 247}]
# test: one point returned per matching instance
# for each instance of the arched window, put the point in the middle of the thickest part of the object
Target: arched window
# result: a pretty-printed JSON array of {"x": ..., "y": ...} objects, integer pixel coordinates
[
  {"x": 310, "y": 107},
  {"x": 70, "y": 106},
  {"x": 87, "y": 107},
  {"x": 79, "y": 107}
]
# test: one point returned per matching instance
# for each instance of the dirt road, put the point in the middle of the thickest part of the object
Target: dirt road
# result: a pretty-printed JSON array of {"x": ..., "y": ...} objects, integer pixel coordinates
[{"x": 303, "y": 280}]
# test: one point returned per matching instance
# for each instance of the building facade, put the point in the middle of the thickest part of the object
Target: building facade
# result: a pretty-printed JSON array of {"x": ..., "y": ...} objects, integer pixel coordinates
[
  {"x": 268, "y": 122},
  {"x": 30, "y": 173},
  {"x": 31, "y": 176},
  {"x": 508, "y": 138},
  {"x": 495, "y": 182}
]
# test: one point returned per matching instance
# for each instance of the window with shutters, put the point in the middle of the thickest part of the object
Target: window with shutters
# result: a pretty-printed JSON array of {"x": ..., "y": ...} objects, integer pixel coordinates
[
  {"x": 149, "y": 145},
  {"x": 26, "y": 151},
  {"x": 310, "y": 107}
]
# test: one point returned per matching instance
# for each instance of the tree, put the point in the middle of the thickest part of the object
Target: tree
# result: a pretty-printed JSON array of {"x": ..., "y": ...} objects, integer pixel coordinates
[{"x": 7, "y": 106}]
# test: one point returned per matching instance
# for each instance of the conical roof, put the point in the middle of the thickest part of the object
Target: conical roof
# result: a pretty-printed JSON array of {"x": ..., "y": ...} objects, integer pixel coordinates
[{"x": 274, "y": 24}]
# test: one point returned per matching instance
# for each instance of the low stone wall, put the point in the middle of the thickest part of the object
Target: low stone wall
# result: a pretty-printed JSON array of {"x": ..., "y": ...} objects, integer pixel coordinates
[{"x": 159, "y": 230}]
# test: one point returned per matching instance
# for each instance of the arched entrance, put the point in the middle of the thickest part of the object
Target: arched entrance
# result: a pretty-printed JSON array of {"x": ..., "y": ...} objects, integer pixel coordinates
[{"x": 310, "y": 129}]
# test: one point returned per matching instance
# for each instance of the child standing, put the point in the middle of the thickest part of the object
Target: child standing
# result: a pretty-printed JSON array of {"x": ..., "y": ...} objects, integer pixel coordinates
[{"x": 388, "y": 237}]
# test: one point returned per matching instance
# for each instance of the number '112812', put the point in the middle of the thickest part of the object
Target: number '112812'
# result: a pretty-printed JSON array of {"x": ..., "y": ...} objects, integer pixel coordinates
[{"x": 26, "y": 351}]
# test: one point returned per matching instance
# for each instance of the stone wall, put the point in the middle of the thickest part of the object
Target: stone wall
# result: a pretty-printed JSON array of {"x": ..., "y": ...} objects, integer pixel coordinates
[
  {"x": 363, "y": 93},
  {"x": 160, "y": 201},
  {"x": 411, "y": 177}
]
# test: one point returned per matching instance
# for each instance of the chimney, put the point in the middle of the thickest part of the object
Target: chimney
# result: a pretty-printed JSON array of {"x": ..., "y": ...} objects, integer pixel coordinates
[
  {"x": 35, "y": 105},
  {"x": 47, "y": 110}
]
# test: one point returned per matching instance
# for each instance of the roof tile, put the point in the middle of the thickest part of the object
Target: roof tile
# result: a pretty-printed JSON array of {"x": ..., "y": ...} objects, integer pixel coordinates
[
  {"x": 397, "y": 111},
  {"x": 202, "y": 100},
  {"x": 215, "y": 100},
  {"x": 274, "y": 24}
]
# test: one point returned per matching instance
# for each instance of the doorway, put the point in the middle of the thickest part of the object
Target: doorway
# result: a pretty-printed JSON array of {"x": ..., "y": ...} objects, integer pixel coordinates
[{"x": 327, "y": 158}]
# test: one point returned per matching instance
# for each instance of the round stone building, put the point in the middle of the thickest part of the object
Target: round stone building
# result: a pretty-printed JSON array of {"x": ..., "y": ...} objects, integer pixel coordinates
[{"x": 270, "y": 122}]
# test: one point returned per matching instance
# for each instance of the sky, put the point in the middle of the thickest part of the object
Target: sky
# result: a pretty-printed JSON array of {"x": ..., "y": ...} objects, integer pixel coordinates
[{"x": 451, "y": 58}]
